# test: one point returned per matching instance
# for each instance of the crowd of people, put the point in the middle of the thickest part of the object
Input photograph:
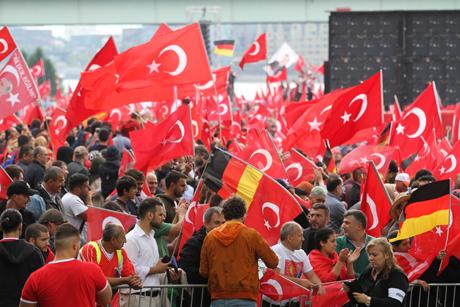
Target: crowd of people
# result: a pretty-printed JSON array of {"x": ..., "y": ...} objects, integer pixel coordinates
[{"x": 46, "y": 258}]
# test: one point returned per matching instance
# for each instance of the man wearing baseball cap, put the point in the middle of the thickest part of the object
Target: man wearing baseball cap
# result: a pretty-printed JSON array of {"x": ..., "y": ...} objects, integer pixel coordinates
[
  {"x": 402, "y": 182},
  {"x": 19, "y": 194}
]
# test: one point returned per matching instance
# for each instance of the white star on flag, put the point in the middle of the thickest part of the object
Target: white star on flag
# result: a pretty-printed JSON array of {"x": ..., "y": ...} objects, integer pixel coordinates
[
  {"x": 346, "y": 117},
  {"x": 314, "y": 125},
  {"x": 153, "y": 67},
  {"x": 364, "y": 160},
  {"x": 439, "y": 231},
  {"x": 13, "y": 99},
  {"x": 442, "y": 170},
  {"x": 400, "y": 129}
]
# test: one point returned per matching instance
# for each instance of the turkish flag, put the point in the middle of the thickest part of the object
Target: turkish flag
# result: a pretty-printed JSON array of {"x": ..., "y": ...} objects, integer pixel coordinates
[
  {"x": 263, "y": 155},
  {"x": 76, "y": 110},
  {"x": 279, "y": 288},
  {"x": 8, "y": 122},
  {"x": 361, "y": 155},
  {"x": 456, "y": 124},
  {"x": 158, "y": 144},
  {"x": 294, "y": 110},
  {"x": 444, "y": 148},
  {"x": 59, "y": 128},
  {"x": 426, "y": 157},
  {"x": 299, "y": 168},
  {"x": 450, "y": 166},
  {"x": 97, "y": 218},
  {"x": 453, "y": 242},
  {"x": 7, "y": 43},
  {"x": 256, "y": 52},
  {"x": 220, "y": 109},
  {"x": 305, "y": 133},
  {"x": 38, "y": 70},
  {"x": 335, "y": 296},
  {"x": 17, "y": 87},
  {"x": 396, "y": 110},
  {"x": 127, "y": 161},
  {"x": 419, "y": 119},
  {"x": 31, "y": 112},
  {"x": 5, "y": 181},
  {"x": 375, "y": 202},
  {"x": 120, "y": 115},
  {"x": 357, "y": 108},
  {"x": 174, "y": 58}
]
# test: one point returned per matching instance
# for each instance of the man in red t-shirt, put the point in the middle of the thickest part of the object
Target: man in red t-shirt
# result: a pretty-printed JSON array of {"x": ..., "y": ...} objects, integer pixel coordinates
[
  {"x": 111, "y": 258},
  {"x": 55, "y": 284}
]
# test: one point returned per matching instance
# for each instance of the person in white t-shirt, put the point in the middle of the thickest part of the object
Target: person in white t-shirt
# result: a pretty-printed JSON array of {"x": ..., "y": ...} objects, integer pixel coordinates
[
  {"x": 75, "y": 203},
  {"x": 293, "y": 261}
]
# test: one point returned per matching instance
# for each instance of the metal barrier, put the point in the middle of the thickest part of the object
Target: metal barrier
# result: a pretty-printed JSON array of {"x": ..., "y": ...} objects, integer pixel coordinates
[
  {"x": 439, "y": 295},
  {"x": 184, "y": 295}
]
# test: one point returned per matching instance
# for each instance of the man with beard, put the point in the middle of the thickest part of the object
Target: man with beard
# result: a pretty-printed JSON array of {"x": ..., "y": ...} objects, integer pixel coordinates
[
  {"x": 39, "y": 236},
  {"x": 142, "y": 250},
  {"x": 55, "y": 283},
  {"x": 318, "y": 218},
  {"x": 175, "y": 186}
]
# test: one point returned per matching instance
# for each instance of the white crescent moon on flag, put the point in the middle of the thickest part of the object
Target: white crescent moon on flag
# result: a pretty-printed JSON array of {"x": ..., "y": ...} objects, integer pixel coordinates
[
  {"x": 325, "y": 110},
  {"x": 296, "y": 166},
  {"x": 443, "y": 152},
  {"x": 363, "y": 98},
  {"x": 115, "y": 112},
  {"x": 4, "y": 44},
  {"x": 195, "y": 128},
  {"x": 164, "y": 110},
  {"x": 422, "y": 122},
  {"x": 205, "y": 86},
  {"x": 375, "y": 217},
  {"x": 382, "y": 160},
  {"x": 224, "y": 108},
  {"x": 267, "y": 156},
  {"x": 111, "y": 220},
  {"x": 179, "y": 124},
  {"x": 256, "y": 49},
  {"x": 453, "y": 164},
  {"x": 237, "y": 124},
  {"x": 275, "y": 209},
  {"x": 182, "y": 59},
  {"x": 190, "y": 208},
  {"x": 60, "y": 118},
  {"x": 276, "y": 285},
  {"x": 12, "y": 70}
]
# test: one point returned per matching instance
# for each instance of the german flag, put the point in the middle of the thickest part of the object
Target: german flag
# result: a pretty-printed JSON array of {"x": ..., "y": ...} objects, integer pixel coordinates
[
  {"x": 428, "y": 207},
  {"x": 224, "y": 47},
  {"x": 268, "y": 204}
]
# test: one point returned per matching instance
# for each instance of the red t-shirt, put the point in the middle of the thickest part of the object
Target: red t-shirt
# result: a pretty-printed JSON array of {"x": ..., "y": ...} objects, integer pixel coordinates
[
  {"x": 63, "y": 282},
  {"x": 109, "y": 263},
  {"x": 50, "y": 256}
]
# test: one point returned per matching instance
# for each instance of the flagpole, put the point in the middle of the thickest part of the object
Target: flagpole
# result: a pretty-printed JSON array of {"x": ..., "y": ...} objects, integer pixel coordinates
[
  {"x": 448, "y": 224},
  {"x": 381, "y": 182}
]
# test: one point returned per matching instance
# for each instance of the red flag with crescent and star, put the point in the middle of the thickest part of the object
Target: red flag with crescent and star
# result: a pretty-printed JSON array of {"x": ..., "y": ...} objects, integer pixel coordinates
[
  {"x": 157, "y": 144},
  {"x": 58, "y": 128},
  {"x": 269, "y": 204},
  {"x": 375, "y": 202},
  {"x": 38, "y": 70},
  {"x": 299, "y": 168},
  {"x": 419, "y": 119},
  {"x": 76, "y": 110},
  {"x": 98, "y": 218},
  {"x": 361, "y": 155},
  {"x": 450, "y": 166},
  {"x": 356, "y": 108},
  {"x": 256, "y": 52},
  {"x": 17, "y": 86}
]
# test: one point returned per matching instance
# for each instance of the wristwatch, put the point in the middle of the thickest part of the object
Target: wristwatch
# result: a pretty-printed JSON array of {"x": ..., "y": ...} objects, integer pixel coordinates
[{"x": 368, "y": 303}]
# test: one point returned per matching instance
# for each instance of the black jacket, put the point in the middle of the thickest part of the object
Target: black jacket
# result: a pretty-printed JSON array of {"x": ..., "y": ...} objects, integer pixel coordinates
[
  {"x": 308, "y": 240},
  {"x": 76, "y": 167},
  {"x": 18, "y": 259},
  {"x": 383, "y": 292},
  {"x": 27, "y": 218},
  {"x": 170, "y": 206},
  {"x": 34, "y": 174},
  {"x": 108, "y": 171},
  {"x": 189, "y": 261}
]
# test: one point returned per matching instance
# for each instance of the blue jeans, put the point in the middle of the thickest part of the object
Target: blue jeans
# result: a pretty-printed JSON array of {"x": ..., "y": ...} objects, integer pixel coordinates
[{"x": 233, "y": 303}]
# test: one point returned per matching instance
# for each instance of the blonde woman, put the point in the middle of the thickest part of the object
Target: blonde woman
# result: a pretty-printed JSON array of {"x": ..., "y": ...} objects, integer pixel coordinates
[{"x": 383, "y": 283}]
